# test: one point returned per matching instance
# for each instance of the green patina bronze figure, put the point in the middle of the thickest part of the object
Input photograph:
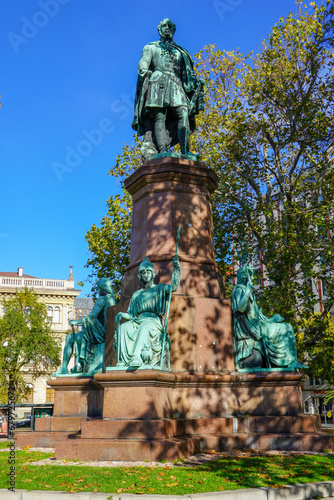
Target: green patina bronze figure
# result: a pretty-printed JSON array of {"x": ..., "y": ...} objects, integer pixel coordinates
[
  {"x": 259, "y": 342},
  {"x": 168, "y": 96},
  {"x": 141, "y": 341},
  {"x": 89, "y": 343}
]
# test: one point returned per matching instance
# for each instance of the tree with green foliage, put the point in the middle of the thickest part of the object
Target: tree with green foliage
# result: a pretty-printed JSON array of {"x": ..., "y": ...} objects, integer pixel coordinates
[
  {"x": 267, "y": 131},
  {"x": 315, "y": 339},
  {"x": 109, "y": 244},
  {"x": 27, "y": 343}
]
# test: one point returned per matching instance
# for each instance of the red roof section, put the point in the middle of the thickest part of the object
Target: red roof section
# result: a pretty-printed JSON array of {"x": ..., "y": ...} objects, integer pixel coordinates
[{"x": 16, "y": 275}]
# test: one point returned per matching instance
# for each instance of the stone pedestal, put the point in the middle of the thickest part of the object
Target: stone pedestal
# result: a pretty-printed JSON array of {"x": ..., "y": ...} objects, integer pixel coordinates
[
  {"x": 76, "y": 400},
  {"x": 204, "y": 403},
  {"x": 166, "y": 193},
  {"x": 200, "y": 329},
  {"x": 151, "y": 415}
]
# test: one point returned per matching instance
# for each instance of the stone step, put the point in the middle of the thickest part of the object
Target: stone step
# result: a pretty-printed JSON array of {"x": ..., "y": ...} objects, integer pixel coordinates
[
  {"x": 167, "y": 428},
  {"x": 127, "y": 449},
  {"x": 56, "y": 424},
  {"x": 315, "y": 441},
  {"x": 41, "y": 439},
  {"x": 131, "y": 449},
  {"x": 136, "y": 429}
]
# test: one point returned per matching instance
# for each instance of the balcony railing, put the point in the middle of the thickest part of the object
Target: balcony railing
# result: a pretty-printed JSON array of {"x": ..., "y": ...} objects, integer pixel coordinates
[{"x": 18, "y": 282}]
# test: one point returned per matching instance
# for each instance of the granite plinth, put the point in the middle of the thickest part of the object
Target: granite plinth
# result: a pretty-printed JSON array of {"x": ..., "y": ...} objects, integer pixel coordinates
[
  {"x": 166, "y": 193},
  {"x": 200, "y": 329},
  {"x": 152, "y": 394},
  {"x": 204, "y": 403},
  {"x": 153, "y": 415},
  {"x": 158, "y": 415},
  {"x": 76, "y": 397},
  {"x": 41, "y": 439},
  {"x": 127, "y": 450},
  {"x": 76, "y": 400}
]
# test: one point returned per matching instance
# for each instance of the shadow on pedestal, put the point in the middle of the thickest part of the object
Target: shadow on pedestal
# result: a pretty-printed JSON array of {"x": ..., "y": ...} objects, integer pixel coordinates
[
  {"x": 204, "y": 403},
  {"x": 150, "y": 415},
  {"x": 77, "y": 399}
]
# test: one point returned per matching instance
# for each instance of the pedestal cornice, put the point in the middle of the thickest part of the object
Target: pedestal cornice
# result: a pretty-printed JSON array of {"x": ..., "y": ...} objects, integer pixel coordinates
[{"x": 170, "y": 169}]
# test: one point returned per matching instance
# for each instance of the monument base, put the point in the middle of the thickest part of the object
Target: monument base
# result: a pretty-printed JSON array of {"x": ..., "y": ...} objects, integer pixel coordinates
[
  {"x": 77, "y": 399},
  {"x": 152, "y": 415}
]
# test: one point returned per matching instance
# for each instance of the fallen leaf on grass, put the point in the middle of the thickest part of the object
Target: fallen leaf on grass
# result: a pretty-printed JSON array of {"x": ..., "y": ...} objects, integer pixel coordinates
[
  {"x": 172, "y": 484},
  {"x": 26, "y": 447},
  {"x": 27, "y": 480}
]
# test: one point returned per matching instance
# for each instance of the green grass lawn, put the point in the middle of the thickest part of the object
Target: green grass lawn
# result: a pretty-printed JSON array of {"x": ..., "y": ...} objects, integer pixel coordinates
[
  {"x": 224, "y": 473},
  {"x": 4, "y": 444}
]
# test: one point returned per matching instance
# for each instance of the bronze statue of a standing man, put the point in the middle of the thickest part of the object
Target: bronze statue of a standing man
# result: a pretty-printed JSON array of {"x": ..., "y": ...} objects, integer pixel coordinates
[{"x": 168, "y": 96}]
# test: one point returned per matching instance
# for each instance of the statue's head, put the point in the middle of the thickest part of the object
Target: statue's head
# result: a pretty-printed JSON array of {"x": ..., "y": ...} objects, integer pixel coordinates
[
  {"x": 243, "y": 273},
  {"x": 166, "y": 28},
  {"x": 105, "y": 284},
  {"x": 146, "y": 265}
]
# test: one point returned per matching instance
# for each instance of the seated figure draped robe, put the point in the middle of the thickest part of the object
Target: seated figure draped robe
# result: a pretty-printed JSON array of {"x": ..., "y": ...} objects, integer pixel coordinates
[
  {"x": 257, "y": 339},
  {"x": 139, "y": 340}
]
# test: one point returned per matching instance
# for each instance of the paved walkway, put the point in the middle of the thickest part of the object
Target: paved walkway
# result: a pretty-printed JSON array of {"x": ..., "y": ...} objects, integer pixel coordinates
[{"x": 293, "y": 492}]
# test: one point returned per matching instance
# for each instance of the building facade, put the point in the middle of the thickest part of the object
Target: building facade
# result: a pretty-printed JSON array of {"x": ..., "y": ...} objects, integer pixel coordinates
[{"x": 58, "y": 295}]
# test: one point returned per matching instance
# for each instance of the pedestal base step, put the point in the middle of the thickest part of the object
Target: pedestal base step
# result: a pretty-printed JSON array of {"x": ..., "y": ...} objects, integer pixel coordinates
[
  {"x": 127, "y": 449},
  {"x": 178, "y": 427},
  {"x": 174, "y": 448},
  {"x": 42, "y": 439},
  {"x": 267, "y": 442}
]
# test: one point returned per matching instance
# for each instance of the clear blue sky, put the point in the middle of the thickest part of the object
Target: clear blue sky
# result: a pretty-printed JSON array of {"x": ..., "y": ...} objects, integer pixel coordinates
[{"x": 70, "y": 67}]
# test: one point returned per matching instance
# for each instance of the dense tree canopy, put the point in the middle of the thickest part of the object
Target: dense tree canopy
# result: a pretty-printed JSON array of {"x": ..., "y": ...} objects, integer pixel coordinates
[
  {"x": 267, "y": 131},
  {"x": 26, "y": 341}
]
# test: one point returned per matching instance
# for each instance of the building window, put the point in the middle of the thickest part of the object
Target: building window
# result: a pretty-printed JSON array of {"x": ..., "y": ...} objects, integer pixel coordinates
[
  {"x": 56, "y": 315},
  {"x": 258, "y": 277},
  {"x": 80, "y": 314},
  {"x": 29, "y": 397},
  {"x": 323, "y": 288},
  {"x": 50, "y": 395},
  {"x": 50, "y": 313}
]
